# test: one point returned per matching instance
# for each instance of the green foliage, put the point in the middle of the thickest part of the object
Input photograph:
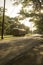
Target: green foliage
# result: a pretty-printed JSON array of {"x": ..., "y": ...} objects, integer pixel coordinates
[
  {"x": 9, "y": 29},
  {"x": 10, "y": 24},
  {"x": 35, "y": 14}
]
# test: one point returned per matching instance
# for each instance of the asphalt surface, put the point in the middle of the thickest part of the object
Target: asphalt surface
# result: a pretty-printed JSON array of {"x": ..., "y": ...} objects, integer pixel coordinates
[{"x": 15, "y": 49}]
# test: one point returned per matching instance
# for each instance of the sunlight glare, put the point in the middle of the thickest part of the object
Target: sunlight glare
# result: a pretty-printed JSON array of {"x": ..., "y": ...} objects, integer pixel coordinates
[
  {"x": 12, "y": 11},
  {"x": 42, "y": 11},
  {"x": 29, "y": 24}
]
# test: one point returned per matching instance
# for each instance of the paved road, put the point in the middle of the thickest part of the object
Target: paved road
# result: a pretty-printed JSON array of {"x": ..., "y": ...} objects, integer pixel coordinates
[{"x": 14, "y": 48}]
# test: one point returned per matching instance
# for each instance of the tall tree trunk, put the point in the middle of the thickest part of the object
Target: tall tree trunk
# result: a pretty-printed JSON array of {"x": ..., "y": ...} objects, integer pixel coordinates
[{"x": 3, "y": 21}]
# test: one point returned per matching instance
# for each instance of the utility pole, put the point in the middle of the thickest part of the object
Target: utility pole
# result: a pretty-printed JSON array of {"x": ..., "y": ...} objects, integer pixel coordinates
[{"x": 2, "y": 33}]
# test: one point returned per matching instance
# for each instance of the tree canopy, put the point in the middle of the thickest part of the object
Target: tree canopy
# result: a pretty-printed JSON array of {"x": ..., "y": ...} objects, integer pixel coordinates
[{"x": 34, "y": 10}]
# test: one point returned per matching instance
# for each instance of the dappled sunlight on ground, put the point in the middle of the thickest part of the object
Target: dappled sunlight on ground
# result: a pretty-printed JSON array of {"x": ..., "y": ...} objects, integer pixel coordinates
[
  {"x": 33, "y": 57},
  {"x": 14, "y": 47}
]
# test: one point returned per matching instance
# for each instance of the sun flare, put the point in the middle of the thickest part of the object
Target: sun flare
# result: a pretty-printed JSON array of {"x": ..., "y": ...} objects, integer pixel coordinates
[
  {"x": 42, "y": 11},
  {"x": 26, "y": 22}
]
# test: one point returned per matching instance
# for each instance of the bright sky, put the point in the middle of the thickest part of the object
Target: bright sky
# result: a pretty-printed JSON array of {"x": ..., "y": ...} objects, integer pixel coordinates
[
  {"x": 29, "y": 24},
  {"x": 13, "y": 10}
]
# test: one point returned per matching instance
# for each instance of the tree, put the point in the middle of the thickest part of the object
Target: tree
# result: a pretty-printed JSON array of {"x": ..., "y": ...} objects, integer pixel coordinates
[
  {"x": 3, "y": 21},
  {"x": 35, "y": 14}
]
